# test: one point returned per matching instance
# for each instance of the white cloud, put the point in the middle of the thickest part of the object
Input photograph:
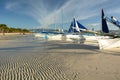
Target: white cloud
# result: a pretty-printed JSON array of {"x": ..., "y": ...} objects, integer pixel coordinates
[
  {"x": 12, "y": 5},
  {"x": 96, "y": 26},
  {"x": 116, "y": 10},
  {"x": 42, "y": 12},
  {"x": 80, "y": 9}
]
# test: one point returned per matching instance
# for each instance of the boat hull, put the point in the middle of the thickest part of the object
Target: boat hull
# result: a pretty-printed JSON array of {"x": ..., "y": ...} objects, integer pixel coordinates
[
  {"x": 109, "y": 43},
  {"x": 49, "y": 36},
  {"x": 74, "y": 38}
]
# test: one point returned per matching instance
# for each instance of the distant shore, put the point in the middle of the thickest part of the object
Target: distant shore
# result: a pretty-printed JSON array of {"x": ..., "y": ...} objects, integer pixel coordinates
[
  {"x": 2, "y": 34},
  {"x": 12, "y": 36}
]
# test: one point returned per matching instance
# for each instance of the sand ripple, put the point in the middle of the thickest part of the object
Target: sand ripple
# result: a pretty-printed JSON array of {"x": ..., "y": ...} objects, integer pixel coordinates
[
  {"x": 32, "y": 67},
  {"x": 28, "y": 59}
]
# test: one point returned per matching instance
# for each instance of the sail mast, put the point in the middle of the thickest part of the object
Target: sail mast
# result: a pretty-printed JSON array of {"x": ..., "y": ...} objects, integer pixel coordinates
[{"x": 62, "y": 18}]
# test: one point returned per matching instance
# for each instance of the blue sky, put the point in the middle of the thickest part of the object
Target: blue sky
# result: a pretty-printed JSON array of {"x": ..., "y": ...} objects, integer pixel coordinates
[{"x": 42, "y": 13}]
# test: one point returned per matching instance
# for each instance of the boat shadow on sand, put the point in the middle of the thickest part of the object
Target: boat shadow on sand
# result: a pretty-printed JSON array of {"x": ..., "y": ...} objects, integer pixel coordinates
[
  {"x": 19, "y": 48},
  {"x": 73, "y": 46},
  {"x": 110, "y": 52}
]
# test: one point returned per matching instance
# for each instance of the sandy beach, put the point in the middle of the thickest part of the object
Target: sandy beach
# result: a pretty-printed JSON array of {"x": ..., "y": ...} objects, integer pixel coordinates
[{"x": 27, "y": 58}]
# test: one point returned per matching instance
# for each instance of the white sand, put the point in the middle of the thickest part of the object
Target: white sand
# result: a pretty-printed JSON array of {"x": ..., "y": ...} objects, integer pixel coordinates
[{"x": 28, "y": 59}]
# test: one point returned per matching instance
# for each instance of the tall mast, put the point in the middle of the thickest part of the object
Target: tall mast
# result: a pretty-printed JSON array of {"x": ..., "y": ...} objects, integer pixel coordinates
[{"x": 62, "y": 18}]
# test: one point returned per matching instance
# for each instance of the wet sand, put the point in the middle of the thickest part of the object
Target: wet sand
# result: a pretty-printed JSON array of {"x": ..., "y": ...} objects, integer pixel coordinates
[{"x": 25, "y": 58}]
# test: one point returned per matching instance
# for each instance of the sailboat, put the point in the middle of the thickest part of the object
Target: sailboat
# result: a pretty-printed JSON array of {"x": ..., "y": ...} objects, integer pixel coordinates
[
  {"x": 107, "y": 43},
  {"x": 50, "y": 34},
  {"x": 39, "y": 34},
  {"x": 76, "y": 28},
  {"x": 74, "y": 32}
]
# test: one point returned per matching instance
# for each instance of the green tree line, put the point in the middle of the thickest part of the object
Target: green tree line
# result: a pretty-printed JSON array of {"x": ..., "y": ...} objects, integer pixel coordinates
[{"x": 5, "y": 29}]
